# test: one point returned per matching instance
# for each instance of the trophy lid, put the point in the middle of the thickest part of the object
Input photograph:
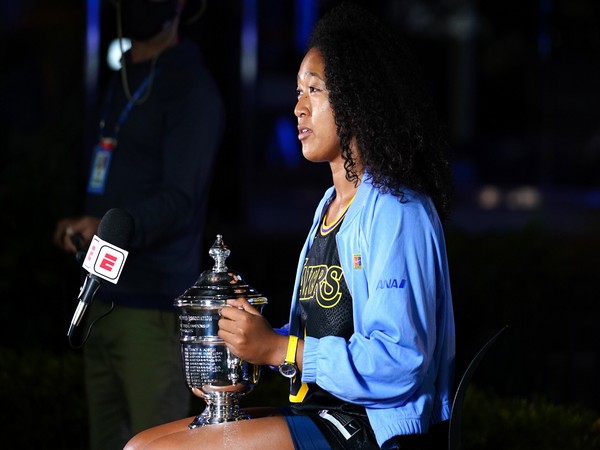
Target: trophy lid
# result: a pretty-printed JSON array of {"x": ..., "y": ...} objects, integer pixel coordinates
[{"x": 219, "y": 283}]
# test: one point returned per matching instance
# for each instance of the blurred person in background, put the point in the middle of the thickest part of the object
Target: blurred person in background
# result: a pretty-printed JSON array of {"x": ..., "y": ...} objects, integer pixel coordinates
[{"x": 160, "y": 128}]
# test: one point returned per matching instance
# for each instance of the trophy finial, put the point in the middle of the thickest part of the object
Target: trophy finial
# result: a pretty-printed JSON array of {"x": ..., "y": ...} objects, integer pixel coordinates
[{"x": 219, "y": 252}]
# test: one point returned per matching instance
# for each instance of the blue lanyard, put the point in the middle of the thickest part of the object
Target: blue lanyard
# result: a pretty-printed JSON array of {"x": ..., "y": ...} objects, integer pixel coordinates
[{"x": 126, "y": 110}]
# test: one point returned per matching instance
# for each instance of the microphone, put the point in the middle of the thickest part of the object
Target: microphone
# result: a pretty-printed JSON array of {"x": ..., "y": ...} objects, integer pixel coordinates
[
  {"x": 77, "y": 240},
  {"x": 105, "y": 258}
]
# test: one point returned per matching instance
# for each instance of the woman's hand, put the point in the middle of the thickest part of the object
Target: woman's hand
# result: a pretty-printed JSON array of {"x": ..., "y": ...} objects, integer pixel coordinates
[{"x": 249, "y": 335}]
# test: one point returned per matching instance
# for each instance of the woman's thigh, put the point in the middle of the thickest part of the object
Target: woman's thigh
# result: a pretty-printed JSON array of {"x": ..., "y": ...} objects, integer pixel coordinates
[{"x": 266, "y": 429}]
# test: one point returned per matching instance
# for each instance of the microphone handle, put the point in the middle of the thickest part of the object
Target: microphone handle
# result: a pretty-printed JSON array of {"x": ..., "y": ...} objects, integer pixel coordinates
[{"x": 86, "y": 296}]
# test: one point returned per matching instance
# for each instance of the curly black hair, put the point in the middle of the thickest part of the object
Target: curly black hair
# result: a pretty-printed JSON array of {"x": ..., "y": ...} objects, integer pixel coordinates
[{"x": 378, "y": 97}]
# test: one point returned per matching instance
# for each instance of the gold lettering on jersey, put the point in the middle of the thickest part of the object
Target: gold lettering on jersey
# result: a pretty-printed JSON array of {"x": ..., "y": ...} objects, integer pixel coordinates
[{"x": 321, "y": 283}]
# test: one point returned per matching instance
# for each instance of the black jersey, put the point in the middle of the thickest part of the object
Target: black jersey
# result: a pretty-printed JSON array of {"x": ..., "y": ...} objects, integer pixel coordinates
[
  {"x": 325, "y": 307},
  {"x": 325, "y": 301}
]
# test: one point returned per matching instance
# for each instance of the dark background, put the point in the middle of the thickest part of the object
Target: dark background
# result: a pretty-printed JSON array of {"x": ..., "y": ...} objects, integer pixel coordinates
[{"x": 516, "y": 82}]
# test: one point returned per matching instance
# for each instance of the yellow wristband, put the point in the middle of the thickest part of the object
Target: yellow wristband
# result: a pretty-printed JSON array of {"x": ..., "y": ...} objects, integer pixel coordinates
[
  {"x": 288, "y": 368},
  {"x": 290, "y": 356}
]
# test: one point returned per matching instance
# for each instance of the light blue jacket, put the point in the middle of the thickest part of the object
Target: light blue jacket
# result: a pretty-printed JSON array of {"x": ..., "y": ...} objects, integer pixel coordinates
[{"x": 399, "y": 363}]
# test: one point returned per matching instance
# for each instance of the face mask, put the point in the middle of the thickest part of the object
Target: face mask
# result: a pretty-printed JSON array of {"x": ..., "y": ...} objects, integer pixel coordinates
[{"x": 144, "y": 19}]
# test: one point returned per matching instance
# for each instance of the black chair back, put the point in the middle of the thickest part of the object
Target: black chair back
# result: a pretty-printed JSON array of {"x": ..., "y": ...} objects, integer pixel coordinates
[{"x": 461, "y": 390}]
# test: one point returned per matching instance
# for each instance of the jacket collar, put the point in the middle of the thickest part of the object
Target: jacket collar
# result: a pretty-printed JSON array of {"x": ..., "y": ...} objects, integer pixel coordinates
[{"x": 364, "y": 188}]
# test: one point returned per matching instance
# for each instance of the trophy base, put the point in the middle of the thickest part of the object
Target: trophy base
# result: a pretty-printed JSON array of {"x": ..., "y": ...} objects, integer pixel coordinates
[
  {"x": 220, "y": 407},
  {"x": 203, "y": 419}
]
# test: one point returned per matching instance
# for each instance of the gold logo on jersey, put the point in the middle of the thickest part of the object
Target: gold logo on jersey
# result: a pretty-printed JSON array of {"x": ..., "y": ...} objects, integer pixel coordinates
[{"x": 321, "y": 283}]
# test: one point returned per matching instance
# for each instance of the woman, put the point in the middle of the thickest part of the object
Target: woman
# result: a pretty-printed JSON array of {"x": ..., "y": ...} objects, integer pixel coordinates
[{"x": 370, "y": 342}]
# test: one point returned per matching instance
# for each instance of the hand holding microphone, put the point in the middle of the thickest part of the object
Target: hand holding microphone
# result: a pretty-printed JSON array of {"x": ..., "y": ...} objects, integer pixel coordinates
[
  {"x": 105, "y": 258},
  {"x": 75, "y": 232}
]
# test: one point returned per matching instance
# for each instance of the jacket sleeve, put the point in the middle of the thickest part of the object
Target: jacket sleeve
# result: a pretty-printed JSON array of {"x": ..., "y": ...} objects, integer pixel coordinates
[{"x": 390, "y": 355}]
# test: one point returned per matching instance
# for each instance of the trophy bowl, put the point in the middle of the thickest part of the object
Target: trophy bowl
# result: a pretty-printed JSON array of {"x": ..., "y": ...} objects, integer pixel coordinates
[{"x": 212, "y": 372}]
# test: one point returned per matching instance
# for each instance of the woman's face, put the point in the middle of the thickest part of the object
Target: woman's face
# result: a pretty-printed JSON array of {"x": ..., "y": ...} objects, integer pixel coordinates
[{"x": 316, "y": 127}]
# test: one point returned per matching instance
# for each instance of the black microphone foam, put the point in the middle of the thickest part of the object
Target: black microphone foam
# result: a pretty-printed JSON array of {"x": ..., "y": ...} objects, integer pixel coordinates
[{"x": 116, "y": 227}]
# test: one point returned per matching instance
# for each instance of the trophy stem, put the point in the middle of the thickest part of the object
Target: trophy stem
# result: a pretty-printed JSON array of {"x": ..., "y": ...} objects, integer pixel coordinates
[{"x": 220, "y": 407}]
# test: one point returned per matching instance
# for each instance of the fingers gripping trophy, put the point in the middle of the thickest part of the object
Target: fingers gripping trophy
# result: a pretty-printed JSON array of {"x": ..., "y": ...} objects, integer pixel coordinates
[{"x": 212, "y": 372}]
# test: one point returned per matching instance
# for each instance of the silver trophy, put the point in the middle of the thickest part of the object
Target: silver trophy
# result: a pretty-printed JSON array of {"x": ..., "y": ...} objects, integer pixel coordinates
[{"x": 212, "y": 372}]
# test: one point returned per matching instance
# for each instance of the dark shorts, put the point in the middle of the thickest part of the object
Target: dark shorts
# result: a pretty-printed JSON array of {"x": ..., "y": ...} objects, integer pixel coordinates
[
  {"x": 341, "y": 430},
  {"x": 329, "y": 429}
]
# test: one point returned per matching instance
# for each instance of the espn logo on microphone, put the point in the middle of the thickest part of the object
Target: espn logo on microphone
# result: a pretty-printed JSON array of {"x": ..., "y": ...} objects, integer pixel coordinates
[{"x": 105, "y": 260}]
